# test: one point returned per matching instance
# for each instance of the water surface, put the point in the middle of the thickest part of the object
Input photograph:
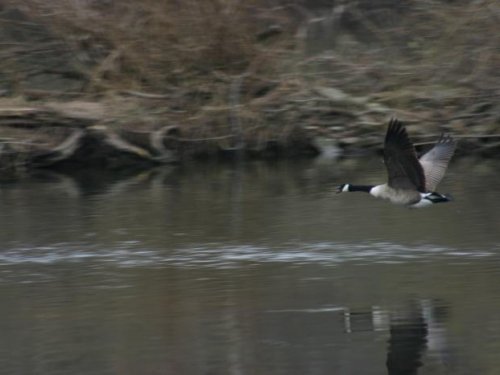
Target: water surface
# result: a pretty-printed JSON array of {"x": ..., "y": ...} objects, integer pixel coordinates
[{"x": 249, "y": 268}]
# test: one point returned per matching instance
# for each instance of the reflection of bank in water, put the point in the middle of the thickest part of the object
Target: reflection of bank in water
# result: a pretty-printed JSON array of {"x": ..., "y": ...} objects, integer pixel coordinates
[{"x": 415, "y": 331}]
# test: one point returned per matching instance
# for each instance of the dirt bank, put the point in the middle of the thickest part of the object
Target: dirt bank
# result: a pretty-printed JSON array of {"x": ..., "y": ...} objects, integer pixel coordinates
[{"x": 118, "y": 84}]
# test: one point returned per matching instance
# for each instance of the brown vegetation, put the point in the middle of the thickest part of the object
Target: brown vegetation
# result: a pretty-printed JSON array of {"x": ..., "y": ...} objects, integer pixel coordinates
[{"x": 257, "y": 75}]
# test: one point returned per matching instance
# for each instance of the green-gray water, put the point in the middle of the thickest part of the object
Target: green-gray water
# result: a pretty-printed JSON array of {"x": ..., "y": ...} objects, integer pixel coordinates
[{"x": 248, "y": 269}]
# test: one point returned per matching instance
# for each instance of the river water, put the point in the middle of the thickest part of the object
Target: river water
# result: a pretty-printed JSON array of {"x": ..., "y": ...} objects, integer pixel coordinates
[{"x": 248, "y": 268}]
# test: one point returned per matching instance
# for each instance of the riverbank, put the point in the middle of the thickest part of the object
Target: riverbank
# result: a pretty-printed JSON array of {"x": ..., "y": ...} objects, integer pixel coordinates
[{"x": 263, "y": 82}]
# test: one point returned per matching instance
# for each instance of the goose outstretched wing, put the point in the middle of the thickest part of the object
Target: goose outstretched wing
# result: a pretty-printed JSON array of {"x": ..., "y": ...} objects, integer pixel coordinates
[
  {"x": 403, "y": 168},
  {"x": 435, "y": 161}
]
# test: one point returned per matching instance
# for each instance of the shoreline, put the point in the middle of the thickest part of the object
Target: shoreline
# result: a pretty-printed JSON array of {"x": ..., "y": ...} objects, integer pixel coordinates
[{"x": 83, "y": 134}]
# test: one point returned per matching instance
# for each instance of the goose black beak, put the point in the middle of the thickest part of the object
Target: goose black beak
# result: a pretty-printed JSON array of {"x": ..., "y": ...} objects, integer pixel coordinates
[{"x": 339, "y": 188}]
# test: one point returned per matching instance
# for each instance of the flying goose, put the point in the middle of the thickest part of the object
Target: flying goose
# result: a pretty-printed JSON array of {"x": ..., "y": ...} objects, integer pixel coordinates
[{"x": 411, "y": 180}]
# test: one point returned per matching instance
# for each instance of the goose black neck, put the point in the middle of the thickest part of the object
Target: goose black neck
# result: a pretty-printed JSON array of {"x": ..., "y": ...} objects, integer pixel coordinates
[{"x": 365, "y": 188}]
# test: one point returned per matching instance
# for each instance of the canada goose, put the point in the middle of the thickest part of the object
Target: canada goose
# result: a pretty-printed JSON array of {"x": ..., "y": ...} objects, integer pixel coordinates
[{"x": 411, "y": 181}]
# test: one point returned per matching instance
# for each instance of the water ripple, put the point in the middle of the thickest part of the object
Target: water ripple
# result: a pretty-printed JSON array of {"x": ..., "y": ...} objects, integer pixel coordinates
[{"x": 132, "y": 254}]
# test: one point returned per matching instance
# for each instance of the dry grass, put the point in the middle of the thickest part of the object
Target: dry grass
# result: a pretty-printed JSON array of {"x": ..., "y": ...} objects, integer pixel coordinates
[
  {"x": 154, "y": 44},
  {"x": 431, "y": 60},
  {"x": 159, "y": 43}
]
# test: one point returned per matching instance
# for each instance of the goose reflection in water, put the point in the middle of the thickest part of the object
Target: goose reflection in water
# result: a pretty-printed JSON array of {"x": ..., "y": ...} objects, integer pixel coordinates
[
  {"x": 407, "y": 343},
  {"x": 414, "y": 331}
]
